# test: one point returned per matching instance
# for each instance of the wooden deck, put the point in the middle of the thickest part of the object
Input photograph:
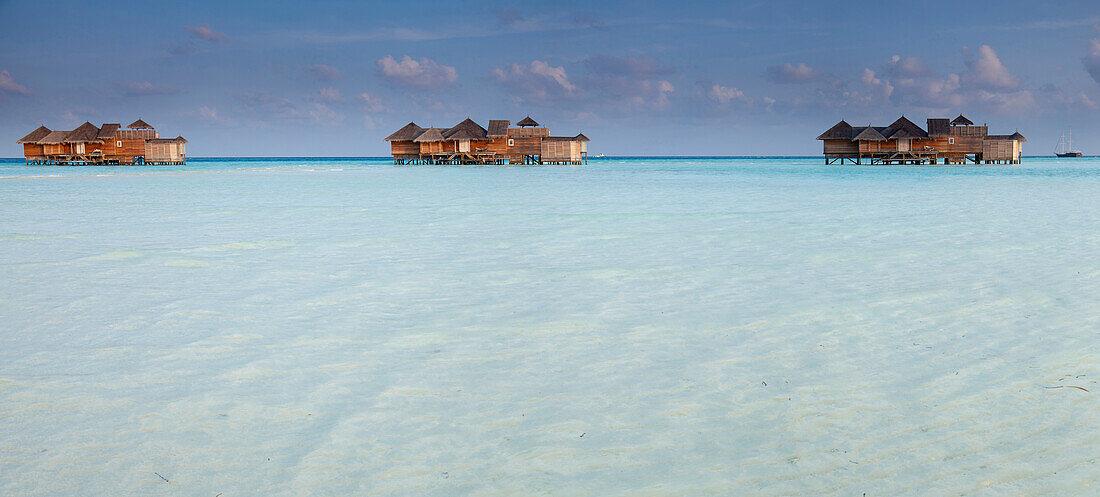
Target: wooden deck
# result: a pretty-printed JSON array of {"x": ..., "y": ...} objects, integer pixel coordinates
[
  {"x": 912, "y": 157},
  {"x": 480, "y": 158}
]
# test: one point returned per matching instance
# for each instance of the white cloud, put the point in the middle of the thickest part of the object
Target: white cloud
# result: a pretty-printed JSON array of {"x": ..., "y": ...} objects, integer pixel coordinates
[
  {"x": 204, "y": 32},
  {"x": 9, "y": 85},
  {"x": 327, "y": 95},
  {"x": 323, "y": 72},
  {"x": 725, "y": 94},
  {"x": 371, "y": 103},
  {"x": 987, "y": 71},
  {"x": 1092, "y": 60},
  {"x": 423, "y": 73},
  {"x": 537, "y": 80},
  {"x": 792, "y": 74},
  {"x": 145, "y": 88}
]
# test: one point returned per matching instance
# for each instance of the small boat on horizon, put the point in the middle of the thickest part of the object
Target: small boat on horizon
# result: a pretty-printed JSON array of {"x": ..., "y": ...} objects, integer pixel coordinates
[{"x": 1065, "y": 146}]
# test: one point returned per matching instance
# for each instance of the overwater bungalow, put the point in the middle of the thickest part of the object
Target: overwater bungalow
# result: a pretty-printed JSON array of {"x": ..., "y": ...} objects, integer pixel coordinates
[
  {"x": 500, "y": 143},
  {"x": 955, "y": 141},
  {"x": 138, "y": 143}
]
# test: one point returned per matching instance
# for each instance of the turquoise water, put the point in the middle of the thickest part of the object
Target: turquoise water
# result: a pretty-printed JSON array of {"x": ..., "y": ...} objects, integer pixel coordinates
[{"x": 631, "y": 327}]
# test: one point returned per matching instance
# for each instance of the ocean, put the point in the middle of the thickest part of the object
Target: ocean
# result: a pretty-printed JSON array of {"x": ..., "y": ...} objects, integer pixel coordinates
[{"x": 636, "y": 326}]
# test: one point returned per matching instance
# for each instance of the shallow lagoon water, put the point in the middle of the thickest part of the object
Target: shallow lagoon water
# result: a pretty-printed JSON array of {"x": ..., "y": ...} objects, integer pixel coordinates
[{"x": 632, "y": 327}]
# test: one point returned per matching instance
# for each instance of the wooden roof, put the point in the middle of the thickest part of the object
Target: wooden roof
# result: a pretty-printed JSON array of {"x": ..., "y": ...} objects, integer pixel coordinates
[
  {"x": 840, "y": 131},
  {"x": 466, "y": 130},
  {"x": 498, "y": 128},
  {"x": 961, "y": 121},
  {"x": 35, "y": 135},
  {"x": 430, "y": 135},
  {"x": 87, "y": 132},
  {"x": 869, "y": 134},
  {"x": 1014, "y": 136},
  {"x": 108, "y": 131},
  {"x": 54, "y": 138},
  {"x": 581, "y": 138},
  {"x": 178, "y": 139},
  {"x": 527, "y": 121},
  {"x": 406, "y": 133},
  {"x": 903, "y": 128},
  {"x": 938, "y": 127},
  {"x": 139, "y": 124}
]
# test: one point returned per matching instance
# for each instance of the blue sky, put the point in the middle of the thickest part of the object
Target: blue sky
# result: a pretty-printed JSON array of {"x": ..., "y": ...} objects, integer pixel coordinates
[{"x": 661, "y": 78}]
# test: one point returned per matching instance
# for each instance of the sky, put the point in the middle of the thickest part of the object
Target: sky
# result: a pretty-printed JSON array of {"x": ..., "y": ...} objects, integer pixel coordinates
[{"x": 333, "y": 78}]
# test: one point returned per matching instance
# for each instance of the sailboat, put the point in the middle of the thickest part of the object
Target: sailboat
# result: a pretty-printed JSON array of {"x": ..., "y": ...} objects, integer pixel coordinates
[{"x": 1065, "y": 146}]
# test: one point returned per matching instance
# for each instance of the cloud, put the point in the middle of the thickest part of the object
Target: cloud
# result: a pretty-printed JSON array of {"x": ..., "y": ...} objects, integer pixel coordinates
[
  {"x": 267, "y": 106},
  {"x": 204, "y": 32},
  {"x": 423, "y": 73},
  {"x": 906, "y": 67},
  {"x": 371, "y": 103},
  {"x": 9, "y": 85},
  {"x": 537, "y": 81},
  {"x": 145, "y": 88},
  {"x": 509, "y": 17},
  {"x": 628, "y": 81},
  {"x": 792, "y": 74},
  {"x": 323, "y": 114},
  {"x": 874, "y": 85},
  {"x": 186, "y": 48},
  {"x": 327, "y": 95},
  {"x": 323, "y": 72},
  {"x": 615, "y": 66},
  {"x": 211, "y": 115},
  {"x": 726, "y": 94},
  {"x": 1091, "y": 61},
  {"x": 987, "y": 72}
]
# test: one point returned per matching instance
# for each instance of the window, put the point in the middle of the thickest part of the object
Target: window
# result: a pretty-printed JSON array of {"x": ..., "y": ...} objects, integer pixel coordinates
[
  {"x": 118, "y": 143},
  {"x": 951, "y": 141},
  {"x": 511, "y": 142}
]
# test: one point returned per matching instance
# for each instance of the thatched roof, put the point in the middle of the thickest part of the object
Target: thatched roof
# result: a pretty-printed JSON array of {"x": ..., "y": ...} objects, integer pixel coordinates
[
  {"x": 178, "y": 139},
  {"x": 498, "y": 128},
  {"x": 87, "y": 132},
  {"x": 840, "y": 131},
  {"x": 139, "y": 124},
  {"x": 961, "y": 121},
  {"x": 466, "y": 130},
  {"x": 1014, "y": 136},
  {"x": 54, "y": 138},
  {"x": 408, "y": 132},
  {"x": 903, "y": 128},
  {"x": 35, "y": 135},
  {"x": 938, "y": 127},
  {"x": 527, "y": 121},
  {"x": 581, "y": 138},
  {"x": 108, "y": 131},
  {"x": 430, "y": 135},
  {"x": 869, "y": 134}
]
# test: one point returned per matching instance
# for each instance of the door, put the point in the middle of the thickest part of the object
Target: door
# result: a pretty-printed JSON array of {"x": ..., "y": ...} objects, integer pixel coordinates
[
  {"x": 903, "y": 145},
  {"x": 464, "y": 145}
]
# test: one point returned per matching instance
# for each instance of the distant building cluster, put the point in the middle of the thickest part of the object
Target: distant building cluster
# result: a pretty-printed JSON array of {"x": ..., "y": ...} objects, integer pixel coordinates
[
  {"x": 138, "y": 143},
  {"x": 956, "y": 141},
  {"x": 468, "y": 143}
]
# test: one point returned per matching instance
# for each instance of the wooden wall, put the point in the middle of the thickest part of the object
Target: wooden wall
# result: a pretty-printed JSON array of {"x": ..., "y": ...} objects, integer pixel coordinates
[
  {"x": 498, "y": 145},
  {"x": 32, "y": 150},
  {"x": 1000, "y": 150},
  {"x": 406, "y": 147},
  {"x": 526, "y": 145},
  {"x": 840, "y": 146},
  {"x": 561, "y": 150},
  {"x": 528, "y": 131},
  {"x": 163, "y": 152}
]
